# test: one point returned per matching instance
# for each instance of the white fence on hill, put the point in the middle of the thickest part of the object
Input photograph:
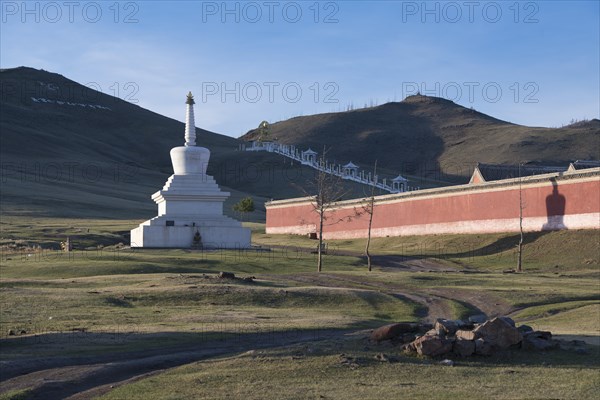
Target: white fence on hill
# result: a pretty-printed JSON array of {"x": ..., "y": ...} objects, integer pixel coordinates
[{"x": 349, "y": 171}]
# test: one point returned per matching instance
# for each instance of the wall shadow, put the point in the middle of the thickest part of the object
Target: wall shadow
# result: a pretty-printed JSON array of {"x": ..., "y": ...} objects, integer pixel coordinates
[
  {"x": 555, "y": 212},
  {"x": 555, "y": 209}
]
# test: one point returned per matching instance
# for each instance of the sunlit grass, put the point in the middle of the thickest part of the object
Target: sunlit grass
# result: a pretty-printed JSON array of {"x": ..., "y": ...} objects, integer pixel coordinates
[
  {"x": 104, "y": 298},
  {"x": 315, "y": 370}
]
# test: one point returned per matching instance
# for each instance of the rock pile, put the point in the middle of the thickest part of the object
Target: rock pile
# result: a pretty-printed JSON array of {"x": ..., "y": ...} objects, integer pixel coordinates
[{"x": 477, "y": 336}]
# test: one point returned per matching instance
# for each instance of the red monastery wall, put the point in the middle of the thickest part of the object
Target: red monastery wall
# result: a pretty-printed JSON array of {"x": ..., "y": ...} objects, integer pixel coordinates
[{"x": 551, "y": 202}]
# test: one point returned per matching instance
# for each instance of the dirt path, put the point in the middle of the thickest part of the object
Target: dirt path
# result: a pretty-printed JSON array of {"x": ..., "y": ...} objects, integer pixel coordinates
[
  {"x": 65, "y": 377},
  {"x": 479, "y": 301},
  {"x": 403, "y": 263},
  {"x": 434, "y": 300},
  {"x": 433, "y": 307}
]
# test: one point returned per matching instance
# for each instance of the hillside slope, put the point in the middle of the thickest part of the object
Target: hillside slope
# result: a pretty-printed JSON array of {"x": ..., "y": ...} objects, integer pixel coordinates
[
  {"x": 68, "y": 150},
  {"x": 425, "y": 135}
]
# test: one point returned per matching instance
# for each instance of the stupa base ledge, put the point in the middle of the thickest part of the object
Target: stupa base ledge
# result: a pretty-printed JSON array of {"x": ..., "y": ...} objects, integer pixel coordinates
[{"x": 182, "y": 237}]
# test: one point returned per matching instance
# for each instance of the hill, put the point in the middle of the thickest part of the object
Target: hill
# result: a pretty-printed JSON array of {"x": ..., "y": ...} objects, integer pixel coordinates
[
  {"x": 68, "y": 150},
  {"x": 424, "y": 136}
]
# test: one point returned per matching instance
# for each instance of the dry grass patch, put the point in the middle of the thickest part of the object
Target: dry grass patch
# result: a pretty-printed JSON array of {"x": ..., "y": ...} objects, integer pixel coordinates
[{"x": 348, "y": 370}]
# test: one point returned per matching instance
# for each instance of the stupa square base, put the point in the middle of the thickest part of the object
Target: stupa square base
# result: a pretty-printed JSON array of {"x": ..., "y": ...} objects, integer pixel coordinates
[{"x": 212, "y": 237}]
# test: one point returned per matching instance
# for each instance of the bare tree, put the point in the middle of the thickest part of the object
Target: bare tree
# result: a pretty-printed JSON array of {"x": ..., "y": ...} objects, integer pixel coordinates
[
  {"x": 521, "y": 206},
  {"x": 329, "y": 189},
  {"x": 368, "y": 208}
]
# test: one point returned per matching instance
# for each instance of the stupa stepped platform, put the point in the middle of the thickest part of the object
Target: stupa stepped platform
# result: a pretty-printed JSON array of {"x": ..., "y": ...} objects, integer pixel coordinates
[
  {"x": 192, "y": 183},
  {"x": 190, "y": 204}
]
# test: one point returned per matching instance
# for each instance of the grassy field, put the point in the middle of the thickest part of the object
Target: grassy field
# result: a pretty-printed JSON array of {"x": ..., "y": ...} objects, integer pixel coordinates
[
  {"x": 555, "y": 252},
  {"x": 542, "y": 251},
  {"x": 349, "y": 370},
  {"x": 104, "y": 298}
]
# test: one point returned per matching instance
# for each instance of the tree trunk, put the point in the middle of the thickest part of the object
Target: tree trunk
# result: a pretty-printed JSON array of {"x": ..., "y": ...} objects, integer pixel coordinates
[
  {"x": 319, "y": 258},
  {"x": 520, "y": 246},
  {"x": 519, "y": 255},
  {"x": 372, "y": 201},
  {"x": 367, "y": 252},
  {"x": 370, "y": 209}
]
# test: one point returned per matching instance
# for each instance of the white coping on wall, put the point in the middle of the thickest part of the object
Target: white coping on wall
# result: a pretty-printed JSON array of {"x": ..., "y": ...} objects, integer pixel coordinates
[{"x": 565, "y": 178}]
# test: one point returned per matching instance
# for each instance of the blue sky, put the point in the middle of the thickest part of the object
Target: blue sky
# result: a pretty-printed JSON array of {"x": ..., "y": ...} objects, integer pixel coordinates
[{"x": 532, "y": 63}]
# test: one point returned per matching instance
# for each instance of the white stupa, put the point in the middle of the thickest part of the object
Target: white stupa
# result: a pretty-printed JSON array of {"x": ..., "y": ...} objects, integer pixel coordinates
[{"x": 190, "y": 205}]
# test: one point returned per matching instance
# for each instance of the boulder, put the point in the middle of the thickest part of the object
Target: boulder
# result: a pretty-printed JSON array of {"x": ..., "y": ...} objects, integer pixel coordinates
[
  {"x": 432, "y": 346},
  {"x": 538, "y": 340},
  {"x": 546, "y": 335},
  {"x": 455, "y": 336},
  {"x": 498, "y": 333},
  {"x": 465, "y": 335},
  {"x": 410, "y": 347},
  {"x": 447, "y": 363},
  {"x": 478, "y": 319},
  {"x": 524, "y": 329},
  {"x": 408, "y": 337},
  {"x": 463, "y": 348},
  {"x": 392, "y": 331},
  {"x": 349, "y": 361},
  {"x": 436, "y": 332},
  {"x": 465, "y": 325},
  {"x": 483, "y": 348},
  {"x": 509, "y": 321},
  {"x": 447, "y": 325}
]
